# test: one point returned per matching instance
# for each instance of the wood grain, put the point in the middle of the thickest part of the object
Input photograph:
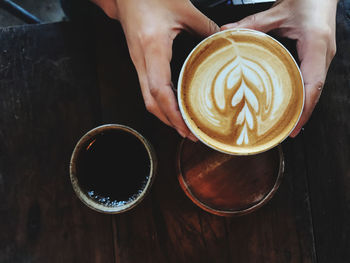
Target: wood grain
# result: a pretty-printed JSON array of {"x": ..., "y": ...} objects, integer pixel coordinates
[
  {"x": 48, "y": 100},
  {"x": 326, "y": 142},
  {"x": 167, "y": 226}
]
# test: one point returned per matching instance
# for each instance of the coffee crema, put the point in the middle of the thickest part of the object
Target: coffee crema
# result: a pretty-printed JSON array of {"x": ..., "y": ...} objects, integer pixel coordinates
[{"x": 240, "y": 92}]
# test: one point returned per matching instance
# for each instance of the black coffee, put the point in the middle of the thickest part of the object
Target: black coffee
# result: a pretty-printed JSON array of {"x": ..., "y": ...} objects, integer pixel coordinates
[{"x": 113, "y": 167}]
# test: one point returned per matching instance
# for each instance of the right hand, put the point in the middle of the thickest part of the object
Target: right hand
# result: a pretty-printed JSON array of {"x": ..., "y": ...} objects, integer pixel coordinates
[
  {"x": 312, "y": 24},
  {"x": 150, "y": 27}
]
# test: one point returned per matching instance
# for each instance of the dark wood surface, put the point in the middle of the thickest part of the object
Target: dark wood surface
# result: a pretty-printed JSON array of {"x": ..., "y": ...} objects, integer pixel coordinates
[
  {"x": 59, "y": 80},
  {"x": 48, "y": 100},
  {"x": 326, "y": 144}
]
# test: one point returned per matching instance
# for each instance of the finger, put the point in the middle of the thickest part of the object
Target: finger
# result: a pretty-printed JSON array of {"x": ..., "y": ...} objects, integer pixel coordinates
[
  {"x": 313, "y": 55},
  {"x": 312, "y": 95},
  {"x": 192, "y": 137},
  {"x": 264, "y": 21},
  {"x": 157, "y": 58},
  {"x": 151, "y": 105},
  {"x": 139, "y": 62},
  {"x": 195, "y": 21}
]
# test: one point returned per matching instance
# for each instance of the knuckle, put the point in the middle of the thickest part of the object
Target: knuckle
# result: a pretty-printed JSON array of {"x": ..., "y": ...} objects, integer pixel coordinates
[
  {"x": 315, "y": 92},
  {"x": 319, "y": 84},
  {"x": 212, "y": 26},
  {"x": 318, "y": 87},
  {"x": 250, "y": 22},
  {"x": 323, "y": 32},
  {"x": 148, "y": 36},
  {"x": 252, "y": 19},
  {"x": 150, "y": 106},
  {"x": 155, "y": 91},
  {"x": 333, "y": 50},
  {"x": 132, "y": 53}
]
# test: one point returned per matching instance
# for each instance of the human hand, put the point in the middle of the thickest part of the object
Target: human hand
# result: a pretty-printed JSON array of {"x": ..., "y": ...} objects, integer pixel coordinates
[
  {"x": 150, "y": 27},
  {"x": 312, "y": 24}
]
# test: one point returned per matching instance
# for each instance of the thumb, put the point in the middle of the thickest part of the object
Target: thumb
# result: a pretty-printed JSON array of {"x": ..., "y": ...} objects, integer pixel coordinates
[
  {"x": 312, "y": 53},
  {"x": 195, "y": 21},
  {"x": 264, "y": 21}
]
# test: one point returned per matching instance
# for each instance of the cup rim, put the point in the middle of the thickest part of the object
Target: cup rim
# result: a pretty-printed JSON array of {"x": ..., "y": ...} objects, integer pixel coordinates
[
  {"x": 230, "y": 213},
  {"x": 75, "y": 182},
  {"x": 185, "y": 118}
]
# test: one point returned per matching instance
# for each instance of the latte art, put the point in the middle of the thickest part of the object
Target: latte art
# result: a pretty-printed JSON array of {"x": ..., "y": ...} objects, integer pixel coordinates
[
  {"x": 238, "y": 92},
  {"x": 241, "y": 91}
]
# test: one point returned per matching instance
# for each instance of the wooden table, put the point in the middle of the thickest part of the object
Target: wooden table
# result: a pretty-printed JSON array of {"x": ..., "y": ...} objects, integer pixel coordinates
[{"x": 53, "y": 88}]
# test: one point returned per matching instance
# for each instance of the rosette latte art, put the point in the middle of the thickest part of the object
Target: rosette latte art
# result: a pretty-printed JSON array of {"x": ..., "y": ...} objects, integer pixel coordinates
[{"x": 241, "y": 92}]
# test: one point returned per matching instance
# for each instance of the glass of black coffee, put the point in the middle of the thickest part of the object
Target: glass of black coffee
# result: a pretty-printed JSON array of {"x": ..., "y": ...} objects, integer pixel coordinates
[{"x": 112, "y": 168}]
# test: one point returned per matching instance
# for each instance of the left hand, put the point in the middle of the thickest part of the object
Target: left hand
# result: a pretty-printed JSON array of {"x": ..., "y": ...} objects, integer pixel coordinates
[
  {"x": 150, "y": 27},
  {"x": 312, "y": 24}
]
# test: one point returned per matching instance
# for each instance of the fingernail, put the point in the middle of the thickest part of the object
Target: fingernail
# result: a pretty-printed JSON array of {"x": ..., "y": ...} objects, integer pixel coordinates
[
  {"x": 295, "y": 133},
  {"x": 192, "y": 137},
  {"x": 181, "y": 133}
]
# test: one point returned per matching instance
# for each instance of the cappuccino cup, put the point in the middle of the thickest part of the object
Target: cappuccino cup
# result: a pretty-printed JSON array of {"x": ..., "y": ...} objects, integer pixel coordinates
[{"x": 240, "y": 92}]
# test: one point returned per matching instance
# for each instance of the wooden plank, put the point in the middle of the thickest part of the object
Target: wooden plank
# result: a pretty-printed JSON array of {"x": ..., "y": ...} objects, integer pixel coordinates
[
  {"x": 48, "y": 100},
  {"x": 282, "y": 230},
  {"x": 327, "y": 140},
  {"x": 167, "y": 226}
]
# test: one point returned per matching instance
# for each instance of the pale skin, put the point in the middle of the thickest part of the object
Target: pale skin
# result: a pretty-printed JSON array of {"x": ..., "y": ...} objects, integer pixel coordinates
[
  {"x": 312, "y": 24},
  {"x": 150, "y": 27}
]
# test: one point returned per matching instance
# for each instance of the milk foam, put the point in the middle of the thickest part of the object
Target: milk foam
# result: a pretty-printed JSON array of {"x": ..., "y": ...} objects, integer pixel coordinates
[{"x": 240, "y": 92}]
